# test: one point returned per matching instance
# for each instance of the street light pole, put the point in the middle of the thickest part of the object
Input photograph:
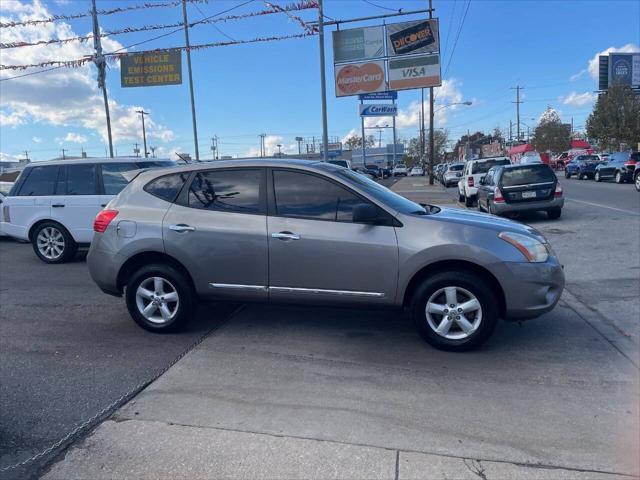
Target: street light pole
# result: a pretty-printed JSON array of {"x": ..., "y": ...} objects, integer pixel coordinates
[
  {"x": 323, "y": 84},
  {"x": 193, "y": 102},
  {"x": 144, "y": 133},
  {"x": 431, "y": 101}
]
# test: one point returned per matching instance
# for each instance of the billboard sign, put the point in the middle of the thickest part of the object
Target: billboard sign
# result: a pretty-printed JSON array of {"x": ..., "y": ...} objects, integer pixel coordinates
[
  {"x": 378, "y": 110},
  {"x": 151, "y": 69},
  {"x": 414, "y": 72},
  {"x": 624, "y": 68},
  {"x": 334, "y": 149},
  {"x": 391, "y": 95},
  {"x": 356, "y": 78},
  {"x": 358, "y": 44},
  {"x": 412, "y": 37}
]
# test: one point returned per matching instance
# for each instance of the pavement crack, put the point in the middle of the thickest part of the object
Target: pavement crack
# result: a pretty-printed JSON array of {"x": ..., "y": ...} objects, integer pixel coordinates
[{"x": 475, "y": 467}]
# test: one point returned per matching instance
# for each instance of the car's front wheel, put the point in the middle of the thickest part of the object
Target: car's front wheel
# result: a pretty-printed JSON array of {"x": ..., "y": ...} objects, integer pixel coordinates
[
  {"x": 637, "y": 182},
  {"x": 160, "y": 298},
  {"x": 455, "y": 310},
  {"x": 618, "y": 177},
  {"x": 567, "y": 174},
  {"x": 596, "y": 177},
  {"x": 52, "y": 243}
]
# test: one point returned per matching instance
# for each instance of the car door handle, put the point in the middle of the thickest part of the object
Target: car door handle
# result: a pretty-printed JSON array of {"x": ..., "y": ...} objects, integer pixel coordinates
[
  {"x": 57, "y": 205},
  {"x": 182, "y": 228},
  {"x": 285, "y": 236}
]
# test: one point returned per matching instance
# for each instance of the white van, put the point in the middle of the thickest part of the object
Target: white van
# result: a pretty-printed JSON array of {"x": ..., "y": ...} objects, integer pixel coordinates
[
  {"x": 474, "y": 170},
  {"x": 53, "y": 204}
]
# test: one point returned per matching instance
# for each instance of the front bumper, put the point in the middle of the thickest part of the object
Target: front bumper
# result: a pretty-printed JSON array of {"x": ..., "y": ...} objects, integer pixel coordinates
[
  {"x": 530, "y": 289},
  {"x": 501, "y": 208}
]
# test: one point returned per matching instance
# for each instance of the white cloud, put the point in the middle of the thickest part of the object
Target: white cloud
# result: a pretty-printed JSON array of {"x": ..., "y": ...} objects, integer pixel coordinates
[
  {"x": 75, "y": 138},
  {"x": 66, "y": 96},
  {"x": 578, "y": 75},
  {"x": 352, "y": 133},
  {"x": 271, "y": 143},
  {"x": 579, "y": 99},
  {"x": 593, "y": 67},
  {"x": 5, "y": 157},
  {"x": 36, "y": 139}
]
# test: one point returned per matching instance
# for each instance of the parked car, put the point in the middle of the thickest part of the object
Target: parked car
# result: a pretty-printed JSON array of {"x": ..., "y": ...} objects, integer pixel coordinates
[
  {"x": 5, "y": 188},
  {"x": 233, "y": 230},
  {"x": 341, "y": 163},
  {"x": 519, "y": 188},
  {"x": 452, "y": 174},
  {"x": 582, "y": 166},
  {"x": 373, "y": 173},
  {"x": 530, "y": 157},
  {"x": 416, "y": 171},
  {"x": 636, "y": 176},
  {"x": 53, "y": 204},
  {"x": 442, "y": 170},
  {"x": 400, "y": 169},
  {"x": 473, "y": 171},
  {"x": 620, "y": 167}
]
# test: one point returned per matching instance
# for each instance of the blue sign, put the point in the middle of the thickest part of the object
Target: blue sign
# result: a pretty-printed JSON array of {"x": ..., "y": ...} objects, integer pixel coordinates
[
  {"x": 391, "y": 95},
  {"x": 378, "y": 110}
]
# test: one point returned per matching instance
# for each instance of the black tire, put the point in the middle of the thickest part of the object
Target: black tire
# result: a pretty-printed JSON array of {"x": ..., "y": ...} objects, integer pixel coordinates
[
  {"x": 596, "y": 177},
  {"x": 618, "y": 177},
  {"x": 637, "y": 182},
  {"x": 554, "y": 213},
  {"x": 470, "y": 282},
  {"x": 479, "y": 205},
  {"x": 460, "y": 197},
  {"x": 580, "y": 176},
  {"x": 60, "y": 238},
  {"x": 184, "y": 307},
  {"x": 468, "y": 201},
  {"x": 567, "y": 174}
]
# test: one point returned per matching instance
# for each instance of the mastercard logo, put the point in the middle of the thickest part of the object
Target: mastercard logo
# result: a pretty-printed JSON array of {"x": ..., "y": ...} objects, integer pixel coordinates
[{"x": 365, "y": 78}]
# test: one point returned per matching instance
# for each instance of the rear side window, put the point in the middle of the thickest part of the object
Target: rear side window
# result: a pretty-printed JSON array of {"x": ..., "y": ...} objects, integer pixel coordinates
[
  {"x": 226, "y": 190},
  {"x": 112, "y": 177},
  {"x": 483, "y": 167},
  {"x": 457, "y": 167},
  {"x": 527, "y": 174},
  {"x": 167, "y": 187},
  {"x": 40, "y": 181},
  {"x": 308, "y": 196},
  {"x": 81, "y": 179}
]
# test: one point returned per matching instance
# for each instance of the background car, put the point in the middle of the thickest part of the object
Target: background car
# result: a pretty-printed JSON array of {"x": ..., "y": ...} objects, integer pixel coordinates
[
  {"x": 620, "y": 167},
  {"x": 452, "y": 174},
  {"x": 371, "y": 172},
  {"x": 530, "y": 157},
  {"x": 416, "y": 171},
  {"x": 400, "y": 169},
  {"x": 341, "y": 163},
  {"x": 474, "y": 170},
  {"x": 53, "y": 203},
  {"x": 519, "y": 188},
  {"x": 582, "y": 166}
]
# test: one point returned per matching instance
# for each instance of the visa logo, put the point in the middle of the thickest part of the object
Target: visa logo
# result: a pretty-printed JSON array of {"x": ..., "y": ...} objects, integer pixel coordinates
[{"x": 414, "y": 72}]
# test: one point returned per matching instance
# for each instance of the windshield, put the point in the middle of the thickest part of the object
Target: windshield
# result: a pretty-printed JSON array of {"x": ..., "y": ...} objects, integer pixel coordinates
[
  {"x": 526, "y": 175},
  {"x": 483, "y": 167},
  {"x": 589, "y": 158},
  {"x": 456, "y": 167},
  {"x": 383, "y": 194},
  {"x": 401, "y": 165}
]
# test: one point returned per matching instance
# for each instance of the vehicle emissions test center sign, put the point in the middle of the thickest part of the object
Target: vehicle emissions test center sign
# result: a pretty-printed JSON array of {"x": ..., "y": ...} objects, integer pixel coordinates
[
  {"x": 399, "y": 56},
  {"x": 151, "y": 69}
]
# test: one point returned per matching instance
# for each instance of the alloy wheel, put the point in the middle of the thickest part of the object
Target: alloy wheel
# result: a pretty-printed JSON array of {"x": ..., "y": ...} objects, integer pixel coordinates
[
  {"x": 157, "y": 300},
  {"x": 638, "y": 182},
  {"x": 50, "y": 243},
  {"x": 453, "y": 313}
]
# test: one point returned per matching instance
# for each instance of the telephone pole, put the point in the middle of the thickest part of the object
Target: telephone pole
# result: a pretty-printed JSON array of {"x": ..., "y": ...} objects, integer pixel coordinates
[
  {"x": 26, "y": 155},
  {"x": 144, "y": 132},
  {"x": 102, "y": 74},
  {"x": 323, "y": 84},
  {"x": 517, "y": 88},
  {"x": 63, "y": 155},
  {"x": 214, "y": 147},
  {"x": 431, "y": 102},
  {"x": 193, "y": 102},
  {"x": 262, "y": 149},
  {"x": 136, "y": 149}
]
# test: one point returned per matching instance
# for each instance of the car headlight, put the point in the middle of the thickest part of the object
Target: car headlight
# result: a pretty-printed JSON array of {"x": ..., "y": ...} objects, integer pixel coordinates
[{"x": 532, "y": 249}]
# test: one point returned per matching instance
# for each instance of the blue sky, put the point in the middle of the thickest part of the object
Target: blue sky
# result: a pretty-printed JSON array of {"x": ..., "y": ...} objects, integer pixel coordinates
[{"x": 273, "y": 88}]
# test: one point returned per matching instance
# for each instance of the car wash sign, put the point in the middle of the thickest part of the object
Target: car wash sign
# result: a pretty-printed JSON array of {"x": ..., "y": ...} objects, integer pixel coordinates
[
  {"x": 378, "y": 110},
  {"x": 151, "y": 69}
]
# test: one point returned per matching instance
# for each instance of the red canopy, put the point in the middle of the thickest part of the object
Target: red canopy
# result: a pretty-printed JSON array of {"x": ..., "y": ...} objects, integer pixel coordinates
[
  {"x": 580, "y": 144},
  {"x": 521, "y": 149}
]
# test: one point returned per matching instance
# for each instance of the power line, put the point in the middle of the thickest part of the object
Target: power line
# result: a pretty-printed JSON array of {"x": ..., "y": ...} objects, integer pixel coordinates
[
  {"x": 455, "y": 43},
  {"x": 446, "y": 44},
  {"x": 382, "y": 7},
  {"x": 214, "y": 26}
]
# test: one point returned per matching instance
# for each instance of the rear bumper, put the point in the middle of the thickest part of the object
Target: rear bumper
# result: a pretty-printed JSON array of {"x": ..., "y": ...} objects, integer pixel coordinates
[
  {"x": 530, "y": 289},
  {"x": 104, "y": 267},
  {"x": 451, "y": 181},
  {"x": 501, "y": 208}
]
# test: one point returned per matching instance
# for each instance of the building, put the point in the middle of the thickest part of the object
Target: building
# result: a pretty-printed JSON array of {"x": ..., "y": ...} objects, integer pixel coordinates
[
  {"x": 380, "y": 157},
  {"x": 6, "y": 165}
]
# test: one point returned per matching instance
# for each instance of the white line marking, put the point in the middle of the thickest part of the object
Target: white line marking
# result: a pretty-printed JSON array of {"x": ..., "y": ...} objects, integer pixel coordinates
[{"x": 604, "y": 206}]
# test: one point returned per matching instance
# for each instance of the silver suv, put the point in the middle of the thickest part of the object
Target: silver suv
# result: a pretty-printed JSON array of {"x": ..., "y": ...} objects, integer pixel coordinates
[{"x": 312, "y": 232}]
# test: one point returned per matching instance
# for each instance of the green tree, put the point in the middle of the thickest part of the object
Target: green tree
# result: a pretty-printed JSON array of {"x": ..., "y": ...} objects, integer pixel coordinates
[
  {"x": 355, "y": 141},
  {"x": 413, "y": 151},
  {"x": 615, "y": 118},
  {"x": 551, "y": 134}
]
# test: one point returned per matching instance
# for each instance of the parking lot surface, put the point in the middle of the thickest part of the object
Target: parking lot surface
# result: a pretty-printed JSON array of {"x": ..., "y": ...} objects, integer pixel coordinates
[{"x": 303, "y": 392}]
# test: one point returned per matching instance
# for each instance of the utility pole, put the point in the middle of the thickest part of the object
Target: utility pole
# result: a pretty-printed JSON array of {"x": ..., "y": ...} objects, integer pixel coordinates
[
  {"x": 26, "y": 155},
  {"x": 431, "y": 102},
  {"x": 214, "y": 147},
  {"x": 510, "y": 128},
  {"x": 102, "y": 74},
  {"x": 517, "y": 88},
  {"x": 299, "y": 140},
  {"x": 323, "y": 84},
  {"x": 153, "y": 152},
  {"x": 63, "y": 155},
  {"x": 144, "y": 132},
  {"x": 421, "y": 114},
  {"x": 136, "y": 149},
  {"x": 262, "y": 137},
  {"x": 193, "y": 102}
]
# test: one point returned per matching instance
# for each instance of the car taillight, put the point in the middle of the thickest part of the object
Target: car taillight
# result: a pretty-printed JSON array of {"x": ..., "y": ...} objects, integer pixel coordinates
[
  {"x": 497, "y": 196},
  {"x": 103, "y": 219},
  {"x": 470, "y": 181},
  {"x": 558, "y": 192}
]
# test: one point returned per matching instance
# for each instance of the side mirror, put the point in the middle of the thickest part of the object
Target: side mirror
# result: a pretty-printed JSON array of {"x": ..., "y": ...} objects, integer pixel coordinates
[{"x": 365, "y": 213}]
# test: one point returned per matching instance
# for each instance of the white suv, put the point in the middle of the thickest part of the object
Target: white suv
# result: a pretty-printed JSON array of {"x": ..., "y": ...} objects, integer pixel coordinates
[
  {"x": 400, "y": 169},
  {"x": 474, "y": 170},
  {"x": 53, "y": 204}
]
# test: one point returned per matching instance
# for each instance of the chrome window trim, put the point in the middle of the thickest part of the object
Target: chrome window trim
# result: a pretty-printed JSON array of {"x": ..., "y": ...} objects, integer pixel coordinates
[
  {"x": 527, "y": 185},
  {"x": 237, "y": 286}
]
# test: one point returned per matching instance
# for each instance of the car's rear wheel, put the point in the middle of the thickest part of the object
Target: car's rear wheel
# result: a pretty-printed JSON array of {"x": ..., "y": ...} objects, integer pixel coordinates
[
  {"x": 580, "y": 176},
  {"x": 637, "y": 182},
  {"x": 455, "y": 310},
  {"x": 567, "y": 174},
  {"x": 160, "y": 298},
  {"x": 618, "y": 177},
  {"x": 479, "y": 204},
  {"x": 554, "y": 213},
  {"x": 52, "y": 243},
  {"x": 460, "y": 197},
  {"x": 596, "y": 177},
  {"x": 468, "y": 201}
]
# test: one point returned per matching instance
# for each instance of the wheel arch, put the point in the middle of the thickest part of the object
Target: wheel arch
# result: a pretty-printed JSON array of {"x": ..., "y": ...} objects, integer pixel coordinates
[
  {"x": 39, "y": 222},
  {"x": 147, "y": 258},
  {"x": 454, "y": 265}
]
